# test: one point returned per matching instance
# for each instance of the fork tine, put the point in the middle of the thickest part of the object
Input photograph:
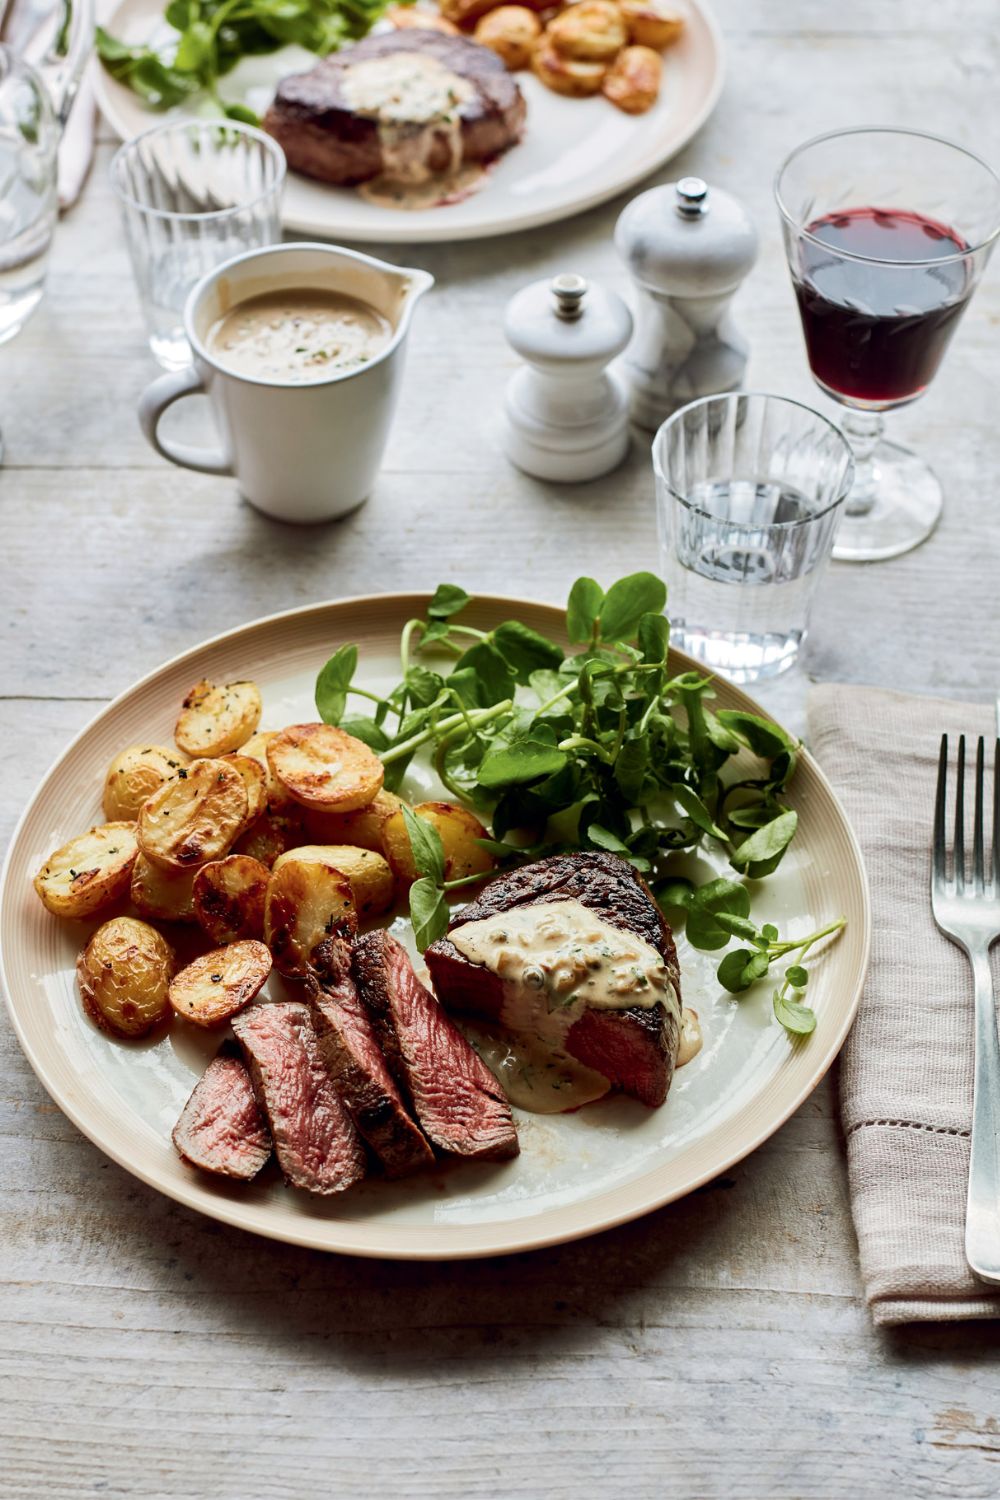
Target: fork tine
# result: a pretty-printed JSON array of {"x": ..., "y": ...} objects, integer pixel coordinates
[
  {"x": 940, "y": 846},
  {"x": 959, "y": 855},
  {"x": 978, "y": 874}
]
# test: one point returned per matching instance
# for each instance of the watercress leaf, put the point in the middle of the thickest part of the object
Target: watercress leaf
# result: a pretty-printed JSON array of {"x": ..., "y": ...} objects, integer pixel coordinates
[
  {"x": 423, "y": 686},
  {"x": 437, "y": 630},
  {"x": 545, "y": 684},
  {"x": 764, "y": 738},
  {"x": 448, "y": 600},
  {"x": 761, "y": 853},
  {"x": 159, "y": 85},
  {"x": 367, "y": 731},
  {"x": 769, "y": 932},
  {"x": 696, "y": 810},
  {"x": 675, "y": 892},
  {"x": 394, "y": 773},
  {"x": 196, "y": 49},
  {"x": 754, "y": 815},
  {"x": 180, "y": 14},
  {"x": 732, "y": 972},
  {"x": 333, "y": 682},
  {"x": 241, "y": 113},
  {"x": 795, "y": 1017},
  {"x": 585, "y": 600},
  {"x": 494, "y": 677},
  {"x": 523, "y": 761},
  {"x": 704, "y": 904},
  {"x": 630, "y": 768},
  {"x": 428, "y": 912},
  {"x": 605, "y": 839},
  {"x": 757, "y": 966},
  {"x": 654, "y": 637},
  {"x": 719, "y": 735},
  {"x": 736, "y": 926},
  {"x": 797, "y": 976},
  {"x": 627, "y": 601},
  {"x": 464, "y": 684},
  {"x": 525, "y": 650},
  {"x": 425, "y": 842}
]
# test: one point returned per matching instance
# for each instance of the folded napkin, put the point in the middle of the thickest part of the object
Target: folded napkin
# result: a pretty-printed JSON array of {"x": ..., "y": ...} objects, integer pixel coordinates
[{"x": 906, "y": 1070}]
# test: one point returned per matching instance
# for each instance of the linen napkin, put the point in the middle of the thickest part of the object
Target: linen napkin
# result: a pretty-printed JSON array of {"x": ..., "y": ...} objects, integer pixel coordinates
[{"x": 906, "y": 1070}]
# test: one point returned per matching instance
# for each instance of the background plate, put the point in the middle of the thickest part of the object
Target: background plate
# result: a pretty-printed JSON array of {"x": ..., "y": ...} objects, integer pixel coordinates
[
  {"x": 575, "y": 152},
  {"x": 576, "y": 1173}
]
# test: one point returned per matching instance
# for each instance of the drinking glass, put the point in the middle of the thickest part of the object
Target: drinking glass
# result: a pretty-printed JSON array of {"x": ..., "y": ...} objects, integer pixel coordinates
[
  {"x": 887, "y": 233},
  {"x": 748, "y": 494},
  {"x": 193, "y": 194}
]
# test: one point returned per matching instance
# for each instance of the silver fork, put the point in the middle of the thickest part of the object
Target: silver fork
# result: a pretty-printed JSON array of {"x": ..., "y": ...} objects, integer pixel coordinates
[{"x": 968, "y": 912}]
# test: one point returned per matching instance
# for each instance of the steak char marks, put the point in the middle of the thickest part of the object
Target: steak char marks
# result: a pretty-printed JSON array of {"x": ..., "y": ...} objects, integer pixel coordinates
[
  {"x": 635, "y": 1048},
  {"x": 325, "y": 134},
  {"x": 350, "y": 1049},
  {"x": 221, "y": 1129},
  {"x": 459, "y": 1103}
]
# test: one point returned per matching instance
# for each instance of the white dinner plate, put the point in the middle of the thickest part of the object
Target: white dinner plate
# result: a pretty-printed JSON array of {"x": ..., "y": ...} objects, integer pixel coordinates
[
  {"x": 577, "y": 1173},
  {"x": 575, "y": 152}
]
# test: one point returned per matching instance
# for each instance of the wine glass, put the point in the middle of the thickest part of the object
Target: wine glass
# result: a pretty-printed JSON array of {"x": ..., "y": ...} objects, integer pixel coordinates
[{"x": 887, "y": 233}]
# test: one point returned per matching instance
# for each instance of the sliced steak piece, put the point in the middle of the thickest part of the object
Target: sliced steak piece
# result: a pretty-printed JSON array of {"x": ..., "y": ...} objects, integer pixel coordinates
[
  {"x": 355, "y": 1062},
  {"x": 459, "y": 1103},
  {"x": 221, "y": 1128},
  {"x": 635, "y": 1048},
  {"x": 345, "y": 121},
  {"x": 316, "y": 1145}
]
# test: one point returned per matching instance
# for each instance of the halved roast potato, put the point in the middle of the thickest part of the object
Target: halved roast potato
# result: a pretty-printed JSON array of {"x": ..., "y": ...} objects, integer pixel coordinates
[
  {"x": 124, "y": 974},
  {"x": 195, "y": 817},
  {"x": 307, "y": 900},
  {"x": 458, "y": 829},
  {"x": 134, "y": 775},
  {"x": 164, "y": 895},
  {"x": 89, "y": 873},
  {"x": 361, "y": 829},
  {"x": 371, "y": 879},
  {"x": 321, "y": 766},
  {"x": 220, "y": 983},
  {"x": 216, "y": 719},
  {"x": 229, "y": 898},
  {"x": 254, "y": 779}
]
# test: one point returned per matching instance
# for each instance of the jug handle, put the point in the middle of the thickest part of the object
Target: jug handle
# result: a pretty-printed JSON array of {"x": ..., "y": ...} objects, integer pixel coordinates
[{"x": 62, "y": 65}]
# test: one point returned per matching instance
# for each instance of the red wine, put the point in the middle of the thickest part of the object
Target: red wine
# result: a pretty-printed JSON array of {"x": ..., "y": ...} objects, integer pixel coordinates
[{"x": 876, "y": 332}]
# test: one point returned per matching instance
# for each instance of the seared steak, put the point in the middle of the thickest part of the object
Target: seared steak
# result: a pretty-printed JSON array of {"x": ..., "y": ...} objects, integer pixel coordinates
[
  {"x": 635, "y": 1048},
  {"x": 333, "y": 123},
  {"x": 357, "y": 1066},
  {"x": 459, "y": 1103},
  {"x": 221, "y": 1129},
  {"x": 316, "y": 1145}
]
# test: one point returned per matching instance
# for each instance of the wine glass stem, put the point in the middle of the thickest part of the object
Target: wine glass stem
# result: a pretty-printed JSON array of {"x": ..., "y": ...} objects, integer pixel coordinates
[{"x": 864, "y": 432}]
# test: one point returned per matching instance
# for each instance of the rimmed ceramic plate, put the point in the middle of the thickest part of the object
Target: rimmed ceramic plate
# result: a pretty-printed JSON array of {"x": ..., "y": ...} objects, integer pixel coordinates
[
  {"x": 575, "y": 152},
  {"x": 576, "y": 1173}
]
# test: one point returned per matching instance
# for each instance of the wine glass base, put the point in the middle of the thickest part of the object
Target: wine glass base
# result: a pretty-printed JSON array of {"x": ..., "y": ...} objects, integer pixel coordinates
[{"x": 908, "y": 504}]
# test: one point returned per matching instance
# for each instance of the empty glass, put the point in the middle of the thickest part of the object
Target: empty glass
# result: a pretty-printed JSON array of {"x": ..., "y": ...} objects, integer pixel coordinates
[
  {"x": 748, "y": 495},
  {"x": 193, "y": 194}
]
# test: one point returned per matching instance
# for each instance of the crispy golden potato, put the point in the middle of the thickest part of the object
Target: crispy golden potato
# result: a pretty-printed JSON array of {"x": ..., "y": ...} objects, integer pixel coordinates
[
  {"x": 165, "y": 895},
  {"x": 124, "y": 974},
  {"x": 256, "y": 747},
  {"x": 307, "y": 900},
  {"x": 220, "y": 983},
  {"x": 229, "y": 898},
  {"x": 566, "y": 75},
  {"x": 323, "y": 767},
  {"x": 465, "y": 13},
  {"x": 653, "y": 23},
  {"x": 134, "y": 775},
  {"x": 361, "y": 829},
  {"x": 90, "y": 872},
  {"x": 371, "y": 879},
  {"x": 411, "y": 17},
  {"x": 217, "y": 719},
  {"x": 458, "y": 829},
  {"x": 510, "y": 31},
  {"x": 254, "y": 779},
  {"x": 194, "y": 818},
  {"x": 590, "y": 31},
  {"x": 633, "y": 80},
  {"x": 263, "y": 840}
]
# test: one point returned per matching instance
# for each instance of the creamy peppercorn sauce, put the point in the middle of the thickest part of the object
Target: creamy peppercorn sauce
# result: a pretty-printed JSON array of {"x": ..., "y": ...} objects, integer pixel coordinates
[
  {"x": 298, "y": 336},
  {"x": 557, "y": 958}
]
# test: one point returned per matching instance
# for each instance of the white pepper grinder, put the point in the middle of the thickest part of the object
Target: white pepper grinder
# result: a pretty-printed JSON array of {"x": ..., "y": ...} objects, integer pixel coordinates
[
  {"x": 566, "y": 413},
  {"x": 687, "y": 248}
]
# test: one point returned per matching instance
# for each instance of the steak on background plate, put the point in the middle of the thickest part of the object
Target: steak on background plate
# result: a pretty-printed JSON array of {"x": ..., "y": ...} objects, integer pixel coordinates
[
  {"x": 636, "y": 1047},
  {"x": 221, "y": 1129},
  {"x": 326, "y": 133}
]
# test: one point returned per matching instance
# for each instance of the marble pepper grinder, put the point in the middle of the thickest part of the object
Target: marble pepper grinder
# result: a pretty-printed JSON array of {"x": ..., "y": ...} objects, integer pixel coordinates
[
  {"x": 687, "y": 249},
  {"x": 566, "y": 414}
]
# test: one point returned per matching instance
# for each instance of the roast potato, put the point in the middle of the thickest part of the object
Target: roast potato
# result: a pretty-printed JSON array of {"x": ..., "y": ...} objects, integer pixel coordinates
[
  {"x": 510, "y": 31},
  {"x": 321, "y": 766},
  {"x": 652, "y": 23},
  {"x": 372, "y": 884},
  {"x": 307, "y": 900},
  {"x": 263, "y": 840},
  {"x": 194, "y": 818},
  {"x": 165, "y": 895},
  {"x": 361, "y": 829},
  {"x": 633, "y": 80},
  {"x": 590, "y": 31},
  {"x": 216, "y": 719},
  {"x": 229, "y": 897},
  {"x": 465, "y": 13},
  {"x": 459, "y": 829},
  {"x": 254, "y": 779},
  {"x": 566, "y": 75},
  {"x": 134, "y": 775},
  {"x": 256, "y": 747},
  {"x": 407, "y": 17},
  {"x": 90, "y": 872},
  {"x": 124, "y": 975},
  {"x": 220, "y": 983}
]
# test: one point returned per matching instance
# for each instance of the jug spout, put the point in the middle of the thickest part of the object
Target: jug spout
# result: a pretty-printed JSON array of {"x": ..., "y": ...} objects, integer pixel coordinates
[{"x": 55, "y": 41}]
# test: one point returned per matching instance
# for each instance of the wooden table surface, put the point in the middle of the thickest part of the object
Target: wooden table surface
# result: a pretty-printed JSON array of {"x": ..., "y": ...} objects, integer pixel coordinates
[{"x": 719, "y": 1348}]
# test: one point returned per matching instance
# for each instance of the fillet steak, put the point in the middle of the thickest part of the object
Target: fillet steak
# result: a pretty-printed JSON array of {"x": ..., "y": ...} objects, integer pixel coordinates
[
  {"x": 405, "y": 103},
  {"x": 221, "y": 1128},
  {"x": 355, "y": 1062},
  {"x": 635, "y": 1047},
  {"x": 460, "y": 1105},
  {"x": 316, "y": 1145}
]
